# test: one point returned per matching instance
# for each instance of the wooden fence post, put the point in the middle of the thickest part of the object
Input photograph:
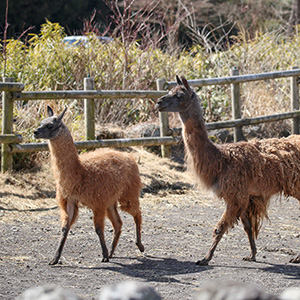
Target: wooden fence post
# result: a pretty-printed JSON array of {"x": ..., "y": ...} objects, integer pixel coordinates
[
  {"x": 236, "y": 107},
  {"x": 295, "y": 102},
  {"x": 7, "y": 126},
  {"x": 163, "y": 121},
  {"x": 89, "y": 110}
]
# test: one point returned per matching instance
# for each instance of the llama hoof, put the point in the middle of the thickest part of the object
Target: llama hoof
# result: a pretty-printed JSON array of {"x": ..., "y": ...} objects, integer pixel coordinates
[
  {"x": 295, "y": 260},
  {"x": 105, "y": 259},
  {"x": 111, "y": 254},
  {"x": 203, "y": 262},
  {"x": 140, "y": 246},
  {"x": 53, "y": 262},
  {"x": 249, "y": 258}
]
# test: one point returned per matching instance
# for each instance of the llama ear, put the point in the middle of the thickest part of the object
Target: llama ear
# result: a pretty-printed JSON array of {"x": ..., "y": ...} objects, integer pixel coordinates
[
  {"x": 179, "y": 82},
  {"x": 49, "y": 111},
  {"x": 59, "y": 118},
  {"x": 185, "y": 83}
]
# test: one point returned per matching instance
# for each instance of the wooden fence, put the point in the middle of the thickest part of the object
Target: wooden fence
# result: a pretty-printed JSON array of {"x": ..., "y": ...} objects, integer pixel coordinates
[{"x": 11, "y": 143}]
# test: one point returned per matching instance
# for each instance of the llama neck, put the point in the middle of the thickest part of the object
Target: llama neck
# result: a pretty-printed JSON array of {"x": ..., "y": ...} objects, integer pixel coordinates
[
  {"x": 64, "y": 156},
  {"x": 203, "y": 157}
]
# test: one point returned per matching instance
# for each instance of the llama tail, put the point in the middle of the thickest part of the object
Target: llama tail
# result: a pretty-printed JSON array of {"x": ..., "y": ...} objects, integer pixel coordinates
[{"x": 257, "y": 212}]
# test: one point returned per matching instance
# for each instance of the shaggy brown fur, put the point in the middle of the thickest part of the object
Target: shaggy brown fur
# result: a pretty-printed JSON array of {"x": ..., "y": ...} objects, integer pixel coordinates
[
  {"x": 98, "y": 180},
  {"x": 244, "y": 174}
]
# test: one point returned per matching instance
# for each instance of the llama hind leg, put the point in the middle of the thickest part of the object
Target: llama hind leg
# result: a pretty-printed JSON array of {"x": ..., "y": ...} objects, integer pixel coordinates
[
  {"x": 116, "y": 221},
  {"x": 130, "y": 204},
  {"x": 138, "y": 227},
  {"x": 221, "y": 227},
  {"x": 248, "y": 228},
  {"x": 69, "y": 213},
  {"x": 296, "y": 259},
  {"x": 99, "y": 218}
]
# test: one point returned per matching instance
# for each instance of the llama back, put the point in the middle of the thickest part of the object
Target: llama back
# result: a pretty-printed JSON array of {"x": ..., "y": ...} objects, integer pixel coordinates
[
  {"x": 271, "y": 166},
  {"x": 283, "y": 157},
  {"x": 116, "y": 173}
]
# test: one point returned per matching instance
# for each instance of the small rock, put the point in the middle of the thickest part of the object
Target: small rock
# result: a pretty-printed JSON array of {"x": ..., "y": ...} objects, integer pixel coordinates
[
  {"x": 220, "y": 290},
  {"x": 48, "y": 292},
  {"x": 129, "y": 290},
  {"x": 292, "y": 293}
]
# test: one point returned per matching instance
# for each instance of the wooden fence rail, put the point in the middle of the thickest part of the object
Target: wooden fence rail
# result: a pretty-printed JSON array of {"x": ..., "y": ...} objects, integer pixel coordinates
[
  {"x": 11, "y": 87},
  {"x": 235, "y": 80},
  {"x": 10, "y": 138},
  {"x": 97, "y": 94},
  {"x": 241, "y": 78},
  {"x": 36, "y": 147},
  {"x": 14, "y": 91},
  {"x": 243, "y": 122}
]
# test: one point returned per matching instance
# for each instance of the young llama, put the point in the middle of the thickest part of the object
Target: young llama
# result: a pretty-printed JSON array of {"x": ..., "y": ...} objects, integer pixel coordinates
[
  {"x": 98, "y": 179},
  {"x": 244, "y": 174}
]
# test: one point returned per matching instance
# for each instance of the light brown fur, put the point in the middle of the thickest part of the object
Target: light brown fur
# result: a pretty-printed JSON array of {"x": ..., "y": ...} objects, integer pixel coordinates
[
  {"x": 244, "y": 174},
  {"x": 99, "y": 180}
]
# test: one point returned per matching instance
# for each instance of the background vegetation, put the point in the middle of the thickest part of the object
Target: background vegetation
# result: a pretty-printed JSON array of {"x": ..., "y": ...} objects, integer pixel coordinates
[{"x": 147, "y": 44}]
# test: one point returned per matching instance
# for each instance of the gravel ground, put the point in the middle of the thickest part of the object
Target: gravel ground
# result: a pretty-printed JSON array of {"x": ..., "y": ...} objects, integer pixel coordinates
[{"x": 178, "y": 220}]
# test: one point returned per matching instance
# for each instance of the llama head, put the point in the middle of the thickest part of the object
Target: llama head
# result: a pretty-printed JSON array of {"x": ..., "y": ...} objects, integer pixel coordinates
[
  {"x": 50, "y": 127},
  {"x": 179, "y": 99}
]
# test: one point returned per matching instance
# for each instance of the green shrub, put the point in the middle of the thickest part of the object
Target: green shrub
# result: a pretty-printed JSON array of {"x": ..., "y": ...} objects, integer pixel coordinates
[{"x": 43, "y": 62}]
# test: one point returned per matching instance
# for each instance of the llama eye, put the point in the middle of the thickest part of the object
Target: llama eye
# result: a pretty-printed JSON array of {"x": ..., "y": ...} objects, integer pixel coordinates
[{"x": 49, "y": 126}]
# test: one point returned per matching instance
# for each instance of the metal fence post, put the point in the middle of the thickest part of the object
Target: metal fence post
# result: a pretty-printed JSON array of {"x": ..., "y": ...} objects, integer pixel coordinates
[
  {"x": 89, "y": 110},
  {"x": 7, "y": 126},
  {"x": 236, "y": 106},
  {"x": 163, "y": 122},
  {"x": 295, "y": 102}
]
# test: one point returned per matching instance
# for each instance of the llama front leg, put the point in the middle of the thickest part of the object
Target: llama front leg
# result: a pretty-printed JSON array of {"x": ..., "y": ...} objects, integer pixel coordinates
[
  {"x": 248, "y": 228},
  {"x": 64, "y": 233},
  {"x": 69, "y": 212},
  {"x": 99, "y": 218},
  {"x": 116, "y": 221},
  {"x": 218, "y": 232}
]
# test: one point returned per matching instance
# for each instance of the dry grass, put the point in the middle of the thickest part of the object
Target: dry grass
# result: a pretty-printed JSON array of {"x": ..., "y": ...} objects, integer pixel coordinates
[
  {"x": 23, "y": 193},
  {"x": 261, "y": 98}
]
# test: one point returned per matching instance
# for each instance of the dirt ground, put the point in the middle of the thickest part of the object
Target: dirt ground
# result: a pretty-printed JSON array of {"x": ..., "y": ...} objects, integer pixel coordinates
[{"x": 178, "y": 220}]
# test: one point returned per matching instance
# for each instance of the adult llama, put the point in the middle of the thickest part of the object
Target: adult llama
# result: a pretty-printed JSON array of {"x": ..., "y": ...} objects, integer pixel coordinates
[{"x": 245, "y": 174}]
